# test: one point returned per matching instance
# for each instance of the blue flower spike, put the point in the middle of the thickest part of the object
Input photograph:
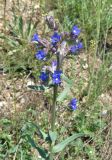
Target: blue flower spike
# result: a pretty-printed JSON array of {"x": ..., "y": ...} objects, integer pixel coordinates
[
  {"x": 56, "y": 77},
  {"x": 35, "y": 38},
  {"x": 44, "y": 76},
  {"x": 40, "y": 55},
  {"x": 55, "y": 38},
  {"x": 73, "y": 104},
  {"x": 75, "y": 31}
]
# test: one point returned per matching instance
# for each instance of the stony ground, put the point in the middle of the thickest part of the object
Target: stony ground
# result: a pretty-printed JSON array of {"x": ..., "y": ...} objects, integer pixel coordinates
[
  {"x": 14, "y": 93},
  {"x": 22, "y": 7}
]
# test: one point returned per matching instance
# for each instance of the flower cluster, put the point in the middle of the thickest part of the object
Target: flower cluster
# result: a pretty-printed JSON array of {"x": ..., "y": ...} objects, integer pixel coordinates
[
  {"x": 55, "y": 38},
  {"x": 75, "y": 31},
  {"x": 76, "y": 47},
  {"x": 73, "y": 104},
  {"x": 44, "y": 76},
  {"x": 56, "y": 47},
  {"x": 40, "y": 55},
  {"x": 35, "y": 37},
  {"x": 56, "y": 77}
]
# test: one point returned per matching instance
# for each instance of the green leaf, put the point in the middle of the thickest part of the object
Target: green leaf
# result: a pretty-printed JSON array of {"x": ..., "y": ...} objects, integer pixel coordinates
[
  {"x": 53, "y": 136},
  {"x": 20, "y": 25},
  {"x": 59, "y": 147},
  {"x": 63, "y": 95},
  {"x": 13, "y": 149},
  {"x": 42, "y": 134},
  {"x": 32, "y": 29},
  {"x": 31, "y": 141},
  {"x": 37, "y": 88},
  {"x": 35, "y": 25},
  {"x": 40, "y": 87},
  {"x": 43, "y": 153},
  {"x": 11, "y": 42},
  {"x": 5, "y": 121},
  {"x": 67, "y": 80},
  {"x": 28, "y": 28}
]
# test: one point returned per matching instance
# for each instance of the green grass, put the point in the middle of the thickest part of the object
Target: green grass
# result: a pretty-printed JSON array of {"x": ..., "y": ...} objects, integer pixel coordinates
[{"x": 17, "y": 57}]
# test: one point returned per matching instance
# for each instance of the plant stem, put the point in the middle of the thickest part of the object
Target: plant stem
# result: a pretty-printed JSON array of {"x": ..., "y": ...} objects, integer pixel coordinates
[
  {"x": 53, "y": 116},
  {"x": 53, "y": 109},
  {"x": 55, "y": 90}
]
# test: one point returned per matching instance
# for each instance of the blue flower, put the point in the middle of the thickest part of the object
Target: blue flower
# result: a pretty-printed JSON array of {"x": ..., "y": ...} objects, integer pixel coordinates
[
  {"x": 55, "y": 38},
  {"x": 80, "y": 45},
  {"x": 35, "y": 37},
  {"x": 73, "y": 49},
  {"x": 44, "y": 76},
  {"x": 75, "y": 31},
  {"x": 73, "y": 104},
  {"x": 77, "y": 47},
  {"x": 40, "y": 55},
  {"x": 56, "y": 77}
]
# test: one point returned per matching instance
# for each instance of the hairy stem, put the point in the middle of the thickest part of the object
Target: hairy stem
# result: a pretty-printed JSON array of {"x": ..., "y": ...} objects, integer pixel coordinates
[
  {"x": 55, "y": 88},
  {"x": 53, "y": 117},
  {"x": 53, "y": 109},
  {"x": 55, "y": 91}
]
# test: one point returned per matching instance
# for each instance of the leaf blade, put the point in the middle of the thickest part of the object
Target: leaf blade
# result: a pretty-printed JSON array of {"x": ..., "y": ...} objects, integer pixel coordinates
[
  {"x": 63, "y": 94},
  {"x": 59, "y": 147},
  {"x": 43, "y": 153}
]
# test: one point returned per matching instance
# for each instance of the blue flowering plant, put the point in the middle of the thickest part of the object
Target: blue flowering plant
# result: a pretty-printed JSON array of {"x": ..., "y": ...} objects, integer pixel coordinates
[{"x": 55, "y": 50}]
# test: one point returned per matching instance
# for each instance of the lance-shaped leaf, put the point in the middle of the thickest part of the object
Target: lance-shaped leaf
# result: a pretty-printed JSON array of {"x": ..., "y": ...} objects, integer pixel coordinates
[
  {"x": 63, "y": 95},
  {"x": 53, "y": 136},
  {"x": 43, "y": 153},
  {"x": 40, "y": 87},
  {"x": 20, "y": 25},
  {"x": 59, "y": 147},
  {"x": 37, "y": 88},
  {"x": 42, "y": 134},
  {"x": 67, "y": 80}
]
